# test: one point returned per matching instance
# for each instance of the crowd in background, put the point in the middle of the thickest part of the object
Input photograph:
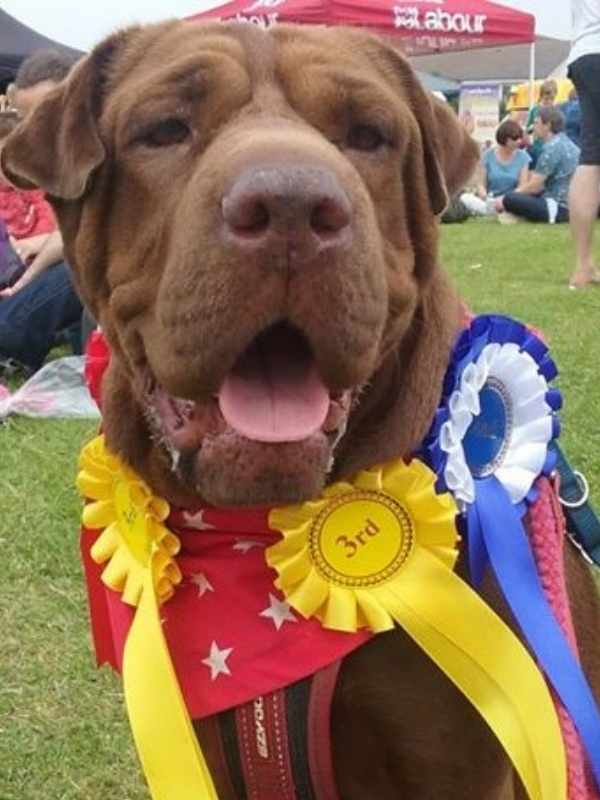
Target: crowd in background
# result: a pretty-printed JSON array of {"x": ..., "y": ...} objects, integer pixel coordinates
[{"x": 527, "y": 173}]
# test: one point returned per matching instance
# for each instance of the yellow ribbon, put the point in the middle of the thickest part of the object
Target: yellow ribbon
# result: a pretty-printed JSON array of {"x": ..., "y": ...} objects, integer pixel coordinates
[
  {"x": 381, "y": 550},
  {"x": 139, "y": 550}
]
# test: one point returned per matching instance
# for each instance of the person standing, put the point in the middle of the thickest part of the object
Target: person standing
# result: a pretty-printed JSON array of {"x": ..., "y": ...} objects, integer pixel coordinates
[{"x": 584, "y": 195}]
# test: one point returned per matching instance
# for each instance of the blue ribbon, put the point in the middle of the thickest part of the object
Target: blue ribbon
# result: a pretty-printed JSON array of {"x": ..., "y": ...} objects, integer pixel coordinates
[
  {"x": 496, "y": 529},
  {"x": 496, "y": 535}
]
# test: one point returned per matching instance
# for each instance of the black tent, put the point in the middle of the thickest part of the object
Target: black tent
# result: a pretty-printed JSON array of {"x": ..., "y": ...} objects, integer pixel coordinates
[{"x": 17, "y": 41}]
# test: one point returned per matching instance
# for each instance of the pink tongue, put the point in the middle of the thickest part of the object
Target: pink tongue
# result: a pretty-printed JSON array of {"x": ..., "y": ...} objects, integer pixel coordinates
[{"x": 274, "y": 395}]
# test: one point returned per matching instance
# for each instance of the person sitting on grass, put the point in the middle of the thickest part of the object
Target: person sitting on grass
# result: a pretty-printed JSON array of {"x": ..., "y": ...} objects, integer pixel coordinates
[
  {"x": 548, "y": 94},
  {"x": 545, "y": 195},
  {"x": 43, "y": 301},
  {"x": 26, "y": 217},
  {"x": 504, "y": 168},
  {"x": 572, "y": 111}
]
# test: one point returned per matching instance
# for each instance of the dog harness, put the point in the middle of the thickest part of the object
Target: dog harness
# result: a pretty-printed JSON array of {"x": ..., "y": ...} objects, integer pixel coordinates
[
  {"x": 276, "y": 746},
  {"x": 299, "y": 588}
]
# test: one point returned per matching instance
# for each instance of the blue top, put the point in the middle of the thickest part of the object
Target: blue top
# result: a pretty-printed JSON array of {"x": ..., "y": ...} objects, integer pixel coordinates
[
  {"x": 557, "y": 163},
  {"x": 503, "y": 177},
  {"x": 572, "y": 112}
]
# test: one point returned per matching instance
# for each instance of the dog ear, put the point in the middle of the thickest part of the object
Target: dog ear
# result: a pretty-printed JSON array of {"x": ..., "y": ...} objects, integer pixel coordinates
[
  {"x": 449, "y": 153},
  {"x": 458, "y": 153},
  {"x": 58, "y": 147},
  {"x": 423, "y": 109}
]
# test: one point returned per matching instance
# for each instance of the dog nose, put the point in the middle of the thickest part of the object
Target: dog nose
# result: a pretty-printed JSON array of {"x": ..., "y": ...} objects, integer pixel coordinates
[{"x": 305, "y": 206}]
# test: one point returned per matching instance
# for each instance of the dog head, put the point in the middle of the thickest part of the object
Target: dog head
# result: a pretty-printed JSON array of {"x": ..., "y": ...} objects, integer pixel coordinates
[{"x": 251, "y": 217}]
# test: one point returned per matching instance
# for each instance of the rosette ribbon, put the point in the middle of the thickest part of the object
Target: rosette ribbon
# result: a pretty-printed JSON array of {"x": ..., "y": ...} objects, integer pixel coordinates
[
  {"x": 139, "y": 554},
  {"x": 380, "y": 551},
  {"x": 489, "y": 443}
]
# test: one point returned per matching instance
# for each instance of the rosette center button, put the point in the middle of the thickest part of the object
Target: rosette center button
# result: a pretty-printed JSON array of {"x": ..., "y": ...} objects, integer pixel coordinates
[{"x": 361, "y": 539}]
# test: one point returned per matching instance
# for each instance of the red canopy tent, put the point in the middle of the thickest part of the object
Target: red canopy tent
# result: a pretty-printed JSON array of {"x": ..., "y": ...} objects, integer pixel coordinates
[{"x": 424, "y": 26}]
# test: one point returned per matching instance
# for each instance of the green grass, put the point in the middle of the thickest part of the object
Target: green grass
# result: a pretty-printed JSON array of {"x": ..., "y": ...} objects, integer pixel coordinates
[{"x": 63, "y": 731}]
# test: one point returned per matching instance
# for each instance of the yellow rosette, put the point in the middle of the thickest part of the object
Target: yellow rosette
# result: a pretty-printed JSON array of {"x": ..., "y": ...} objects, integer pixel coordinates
[
  {"x": 380, "y": 551},
  {"x": 138, "y": 551}
]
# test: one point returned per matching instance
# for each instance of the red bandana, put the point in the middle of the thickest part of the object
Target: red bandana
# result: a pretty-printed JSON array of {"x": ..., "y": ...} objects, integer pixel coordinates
[{"x": 231, "y": 635}]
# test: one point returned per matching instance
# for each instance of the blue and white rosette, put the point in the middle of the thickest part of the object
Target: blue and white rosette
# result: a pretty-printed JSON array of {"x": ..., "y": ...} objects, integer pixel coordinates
[
  {"x": 498, "y": 413},
  {"x": 489, "y": 443}
]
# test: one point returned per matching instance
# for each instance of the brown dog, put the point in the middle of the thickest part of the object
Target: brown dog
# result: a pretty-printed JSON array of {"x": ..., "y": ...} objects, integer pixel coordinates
[{"x": 228, "y": 196}]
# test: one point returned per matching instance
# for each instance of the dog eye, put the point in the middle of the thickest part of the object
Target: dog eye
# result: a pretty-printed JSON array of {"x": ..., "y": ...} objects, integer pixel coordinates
[
  {"x": 164, "y": 133},
  {"x": 365, "y": 137}
]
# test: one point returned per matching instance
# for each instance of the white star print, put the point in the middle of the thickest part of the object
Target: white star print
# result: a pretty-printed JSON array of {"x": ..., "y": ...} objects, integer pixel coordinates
[
  {"x": 196, "y": 521},
  {"x": 278, "y": 611},
  {"x": 243, "y": 545},
  {"x": 216, "y": 661},
  {"x": 200, "y": 580}
]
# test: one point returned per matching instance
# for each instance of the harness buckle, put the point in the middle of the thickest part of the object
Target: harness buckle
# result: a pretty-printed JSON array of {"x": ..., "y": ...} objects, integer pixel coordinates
[{"x": 585, "y": 492}]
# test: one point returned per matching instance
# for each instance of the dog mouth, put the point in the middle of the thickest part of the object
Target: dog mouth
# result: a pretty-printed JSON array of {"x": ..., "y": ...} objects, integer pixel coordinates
[{"x": 272, "y": 395}]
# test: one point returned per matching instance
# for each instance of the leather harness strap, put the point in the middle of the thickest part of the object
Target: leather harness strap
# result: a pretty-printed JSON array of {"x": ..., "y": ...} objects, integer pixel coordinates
[
  {"x": 276, "y": 747},
  {"x": 220, "y": 754},
  {"x": 263, "y": 743},
  {"x": 583, "y": 524},
  {"x": 319, "y": 728}
]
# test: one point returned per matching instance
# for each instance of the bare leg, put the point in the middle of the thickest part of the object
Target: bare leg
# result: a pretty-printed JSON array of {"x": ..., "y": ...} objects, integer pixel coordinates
[{"x": 584, "y": 200}]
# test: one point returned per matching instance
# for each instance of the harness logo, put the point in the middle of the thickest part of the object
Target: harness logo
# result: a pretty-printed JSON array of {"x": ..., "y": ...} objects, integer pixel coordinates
[
  {"x": 262, "y": 746},
  {"x": 412, "y": 18}
]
